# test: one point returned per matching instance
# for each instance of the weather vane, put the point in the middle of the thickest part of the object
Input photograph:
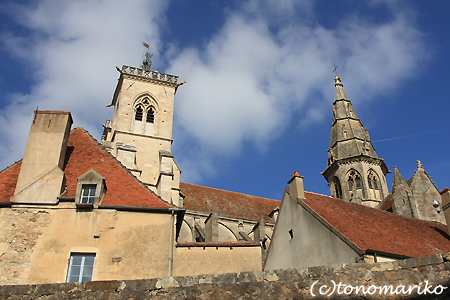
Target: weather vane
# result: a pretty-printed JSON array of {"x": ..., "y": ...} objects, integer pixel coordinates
[{"x": 335, "y": 68}]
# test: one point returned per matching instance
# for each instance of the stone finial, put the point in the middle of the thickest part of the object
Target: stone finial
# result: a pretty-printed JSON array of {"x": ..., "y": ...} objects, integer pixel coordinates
[
  {"x": 419, "y": 165},
  {"x": 337, "y": 80}
]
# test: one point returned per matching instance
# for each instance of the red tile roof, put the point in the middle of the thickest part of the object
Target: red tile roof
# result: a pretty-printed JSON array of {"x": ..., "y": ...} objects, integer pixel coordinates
[
  {"x": 8, "y": 181},
  {"x": 232, "y": 204},
  {"x": 84, "y": 153},
  {"x": 123, "y": 189},
  {"x": 378, "y": 230}
]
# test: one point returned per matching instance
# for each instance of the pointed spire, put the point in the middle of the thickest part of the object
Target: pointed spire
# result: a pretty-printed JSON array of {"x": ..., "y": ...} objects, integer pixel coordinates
[
  {"x": 339, "y": 94},
  {"x": 398, "y": 180}
]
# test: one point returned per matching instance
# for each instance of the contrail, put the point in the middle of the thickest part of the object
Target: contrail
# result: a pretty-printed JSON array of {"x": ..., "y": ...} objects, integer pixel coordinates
[{"x": 408, "y": 136}]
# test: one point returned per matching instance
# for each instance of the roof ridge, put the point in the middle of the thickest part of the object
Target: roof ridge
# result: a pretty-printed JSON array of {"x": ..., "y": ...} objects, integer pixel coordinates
[
  {"x": 321, "y": 195},
  {"x": 384, "y": 211},
  {"x": 228, "y": 191},
  {"x": 121, "y": 165}
]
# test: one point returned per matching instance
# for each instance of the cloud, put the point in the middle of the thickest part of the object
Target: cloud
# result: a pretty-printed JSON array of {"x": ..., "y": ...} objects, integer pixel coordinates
[
  {"x": 70, "y": 49},
  {"x": 256, "y": 76},
  {"x": 268, "y": 68}
]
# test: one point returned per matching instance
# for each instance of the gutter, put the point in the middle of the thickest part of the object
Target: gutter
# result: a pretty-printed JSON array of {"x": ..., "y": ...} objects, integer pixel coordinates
[
  {"x": 143, "y": 209},
  {"x": 386, "y": 254}
]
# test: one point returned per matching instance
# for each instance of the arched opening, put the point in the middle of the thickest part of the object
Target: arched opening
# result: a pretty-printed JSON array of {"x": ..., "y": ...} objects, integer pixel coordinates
[
  {"x": 374, "y": 186},
  {"x": 355, "y": 184},
  {"x": 139, "y": 113},
  {"x": 150, "y": 115},
  {"x": 336, "y": 186}
]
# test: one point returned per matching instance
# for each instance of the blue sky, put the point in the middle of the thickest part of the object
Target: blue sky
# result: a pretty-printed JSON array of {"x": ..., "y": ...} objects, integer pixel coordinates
[{"x": 257, "y": 103}]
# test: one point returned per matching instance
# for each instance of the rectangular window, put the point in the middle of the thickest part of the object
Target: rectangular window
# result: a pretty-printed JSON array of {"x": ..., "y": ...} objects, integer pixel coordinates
[
  {"x": 81, "y": 267},
  {"x": 88, "y": 194}
]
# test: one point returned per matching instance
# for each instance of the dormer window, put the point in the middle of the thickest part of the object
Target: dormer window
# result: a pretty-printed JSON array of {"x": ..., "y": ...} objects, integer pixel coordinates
[
  {"x": 88, "y": 194},
  {"x": 90, "y": 189}
]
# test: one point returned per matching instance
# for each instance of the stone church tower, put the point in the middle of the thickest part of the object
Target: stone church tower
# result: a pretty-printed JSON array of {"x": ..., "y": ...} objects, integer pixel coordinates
[
  {"x": 140, "y": 133},
  {"x": 354, "y": 171}
]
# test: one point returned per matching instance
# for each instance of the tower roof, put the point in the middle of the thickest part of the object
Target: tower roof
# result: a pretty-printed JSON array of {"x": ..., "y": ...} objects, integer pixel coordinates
[
  {"x": 348, "y": 136},
  {"x": 398, "y": 180}
]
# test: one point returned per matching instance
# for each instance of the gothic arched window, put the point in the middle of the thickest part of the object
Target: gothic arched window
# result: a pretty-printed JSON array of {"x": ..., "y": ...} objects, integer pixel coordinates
[
  {"x": 150, "y": 115},
  {"x": 139, "y": 113},
  {"x": 354, "y": 181},
  {"x": 372, "y": 179},
  {"x": 337, "y": 188}
]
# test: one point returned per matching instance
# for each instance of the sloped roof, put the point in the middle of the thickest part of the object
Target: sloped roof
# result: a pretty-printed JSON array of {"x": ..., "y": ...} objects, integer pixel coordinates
[
  {"x": 232, "y": 204},
  {"x": 122, "y": 188},
  {"x": 374, "y": 229},
  {"x": 83, "y": 153},
  {"x": 8, "y": 181}
]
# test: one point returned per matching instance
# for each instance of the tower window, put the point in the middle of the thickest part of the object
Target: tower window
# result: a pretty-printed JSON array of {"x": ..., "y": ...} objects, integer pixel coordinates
[
  {"x": 150, "y": 115},
  {"x": 372, "y": 179},
  {"x": 354, "y": 181},
  {"x": 139, "y": 114}
]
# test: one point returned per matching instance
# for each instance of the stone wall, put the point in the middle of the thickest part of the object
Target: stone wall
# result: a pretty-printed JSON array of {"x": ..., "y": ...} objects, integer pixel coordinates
[
  {"x": 280, "y": 284},
  {"x": 20, "y": 232}
]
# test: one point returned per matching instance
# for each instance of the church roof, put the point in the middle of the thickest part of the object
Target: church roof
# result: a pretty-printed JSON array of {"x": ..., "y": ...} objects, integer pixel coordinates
[
  {"x": 83, "y": 153},
  {"x": 231, "y": 204},
  {"x": 381, "y": 231},
  {"x": 8, "y": 180}
]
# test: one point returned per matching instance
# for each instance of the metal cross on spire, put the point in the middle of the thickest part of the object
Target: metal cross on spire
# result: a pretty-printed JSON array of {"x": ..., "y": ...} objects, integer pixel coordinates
[{"x": 335, "y": 68}]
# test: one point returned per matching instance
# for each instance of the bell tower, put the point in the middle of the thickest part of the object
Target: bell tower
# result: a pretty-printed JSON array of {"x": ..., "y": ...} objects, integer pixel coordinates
[
  {"x": 354, "y": 172},
  {"x": 140, "y": 133}
]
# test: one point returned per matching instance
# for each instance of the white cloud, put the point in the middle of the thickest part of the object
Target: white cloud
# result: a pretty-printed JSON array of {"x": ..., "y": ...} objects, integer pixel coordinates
[
  {"x": 269, "y": 65},
  {"x": 252, "y": 80},
  {"x": 71, "y": 54}
]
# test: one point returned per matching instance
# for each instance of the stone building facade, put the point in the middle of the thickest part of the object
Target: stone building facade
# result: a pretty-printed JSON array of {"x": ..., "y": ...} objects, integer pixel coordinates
[{"x": 118, "y": 210}]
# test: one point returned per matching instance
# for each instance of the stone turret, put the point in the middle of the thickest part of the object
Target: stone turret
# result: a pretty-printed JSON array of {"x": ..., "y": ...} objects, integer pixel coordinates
[{"x": 354, "y": 171}]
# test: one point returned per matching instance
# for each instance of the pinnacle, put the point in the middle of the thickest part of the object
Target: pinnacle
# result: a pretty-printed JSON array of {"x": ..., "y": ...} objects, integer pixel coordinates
[{"x": 340, "y": 94}]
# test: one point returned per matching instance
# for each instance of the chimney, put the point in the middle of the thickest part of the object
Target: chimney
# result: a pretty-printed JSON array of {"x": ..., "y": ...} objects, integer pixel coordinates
[
  {"x": 41, "y": 176},
  {"x": 296, "y": 186},
  {"x": 445, "y": 202}
]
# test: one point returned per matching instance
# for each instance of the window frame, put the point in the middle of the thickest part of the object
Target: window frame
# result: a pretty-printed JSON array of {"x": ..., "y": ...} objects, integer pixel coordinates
[
  {"x": 90, "y": 198},
  {"x": 82, "y": 266}
]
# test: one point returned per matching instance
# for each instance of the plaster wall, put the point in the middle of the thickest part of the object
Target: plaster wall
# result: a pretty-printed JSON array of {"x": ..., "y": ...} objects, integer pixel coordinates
[
  {"x": 126, "y": 244},
  {"x": 300, "y": 240},
  {"x": 216, "y": 260}
]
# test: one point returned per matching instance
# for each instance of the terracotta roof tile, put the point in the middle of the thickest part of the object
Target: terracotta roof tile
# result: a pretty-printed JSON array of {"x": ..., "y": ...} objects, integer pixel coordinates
[
  {"x": 84, "y": 153},
  {"x": 232, "y": 204},
  {"x": 8, "y": 181},
  {"x": 386, "y": 204},
  {"x": 379, "y": 230}
]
